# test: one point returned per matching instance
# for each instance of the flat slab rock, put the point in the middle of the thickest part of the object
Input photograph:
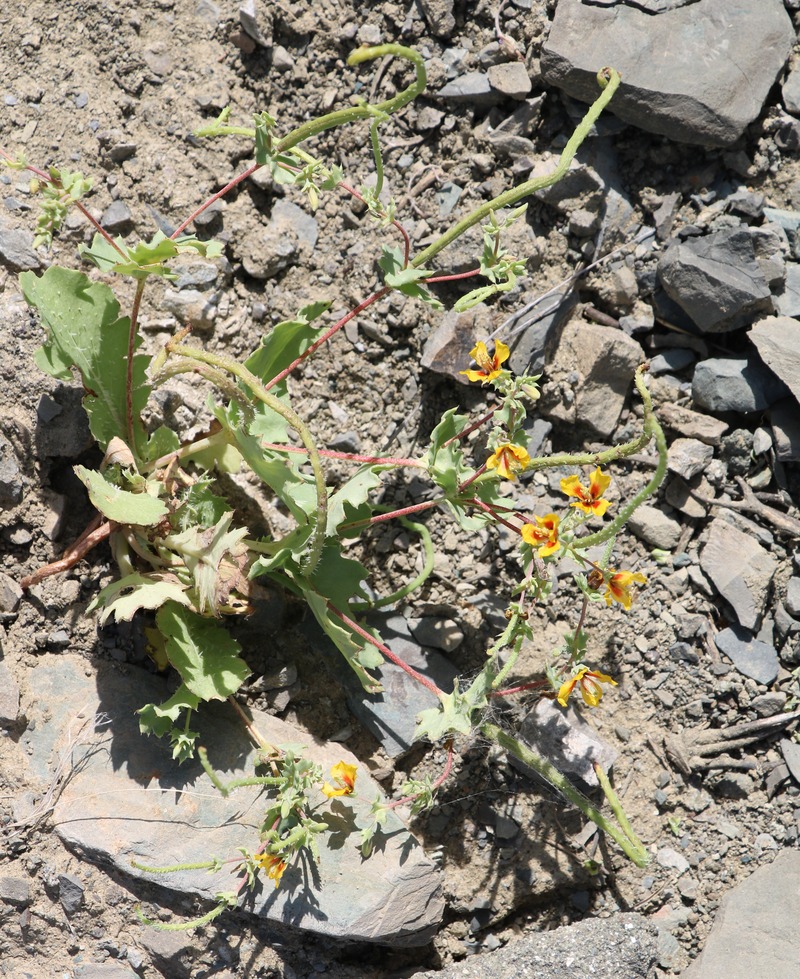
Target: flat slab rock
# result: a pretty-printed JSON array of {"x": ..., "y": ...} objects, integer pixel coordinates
[
  {"x": 699, "y": 73},
  {"x": 127, "y": 800},
  {"x": 755, "y": 931}
]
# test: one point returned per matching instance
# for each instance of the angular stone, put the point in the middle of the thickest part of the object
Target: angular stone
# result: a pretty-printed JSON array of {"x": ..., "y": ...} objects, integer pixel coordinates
[
  {"x": 653, "y": 526},
  {"x": 689, "y": 457},
  {"x": 740, "y": 569},
  {"x": 785, "y": 419},
  {"x": 10, "y": 476},
  {"x": 438, "y": 15},
  {"x": 623, "y": 945},
  {"x": 117, "y": 218},
  {"x": 755, "y": 929},
  {"x": 699, "y": 74},
  {"x": 510, "y": 79},
  {"x": 267, "y": 251},
  {"x": 128, "y": 800},
  {"x": 692, "y": 424},
  {"x": 777, "y": 340},
  {"x": 590, "y": 375},
  {"x": 716, "y": 280},
  {"x": 9, "y": 696},
  {"x": 678, "y": 494},
  {"x": 16, "y": 250},
  {"x": 733, "y": 384},
  {"x": 473, "y": 87},
  {"x": 750, "y": 656},
  {"x": 567, "y": 740}
]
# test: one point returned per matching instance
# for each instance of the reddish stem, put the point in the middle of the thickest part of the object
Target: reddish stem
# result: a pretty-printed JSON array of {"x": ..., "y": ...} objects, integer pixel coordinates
[
  {"x": 534, "y": 685},
  {"x": 452, "y": 278},
  {"x": 404, "y": 512},
  {"x": 215, "y": 197},
  {"x": 491, "y": 510},
  {"x": 472, "y": 478},
  {"x": 439, "y": 781},
  {"x": 347, "y": 456},
  {"x": 395, "y": 224},
  {"x": 392, "y": 657},
  {"x": 88, "y": 539},
  {"x": 327, "y": 335},
  {"x": 471, "y": 428}
]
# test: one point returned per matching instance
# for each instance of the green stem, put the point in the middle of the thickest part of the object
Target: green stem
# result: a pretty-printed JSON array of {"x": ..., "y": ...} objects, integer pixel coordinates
[
  {"x": 132, "y": 331},
  {"x": 634, "y": 850},
  {"x": 616, "y": 807},
  {"x": 609, "y": 79},
  {"x": 261, "y": 394},
  {"x": 414, "y": 583},
  {"x": 356, "y": 112},
  {"x": 652, "y": 430}
]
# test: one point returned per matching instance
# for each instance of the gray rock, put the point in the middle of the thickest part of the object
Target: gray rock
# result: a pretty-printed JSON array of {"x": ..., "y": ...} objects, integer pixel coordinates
[
  {"x": 787, "y": 300},
  {"x": 10, "y": 593},
  {"x": 755, "y": 930},
  {"x": 791, "y": 92},
  {"x": 624, "y": 945},
  {"x": 678, "y": 493},
  {"x": 565, "y": 739},
  {"x": 70, "y": 893},
  {"x": 733, "y": 384},
  {"x": 9, "y": 696},
  {"x": 108, "y": 970},
  {"x": 668, "y": 857},
  {"x": 792, "y": 600},
  {"x": 15, "y": 891},
  {"x": 716, "y": 280},
  {"x": 63, "y": 428},
  {"x": 437, "y": 632},
  {"x": 16, "y": 250},
  {"x": 785, "y": 421},
  {"x": 692, "y": 424},
  {"x": 750, "y": 656},
  {"x": 446, "y": 351},
  {"x": 10, "y": 476},
  {"x": 688, "y": 457},
  {"x": 699, "y": 75},
  {"x": 438, "y": 15},
  {"x": 474, "y": 87},
  {"x": 672, "y": 361},
  {"x": 791, "y": 755},
  {"x": 510, "y": 79},
  {"x": 267, "y": 251},
  {"x": 256, "y": 26},
  {"x": 391, "y": 718},
  {"x": 191, "y": 306},
  {"x": 740, "y": 569},
  {"x": 777, "y": 340},
  {"x": 117, "y": 218},
  {"x": 112, "y": 811},
  {"x": 653, "y": 526},
  {"x": 590, "y": 376}
]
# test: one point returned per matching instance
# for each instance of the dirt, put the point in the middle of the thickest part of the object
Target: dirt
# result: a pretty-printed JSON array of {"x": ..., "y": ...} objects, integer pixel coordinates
[{"x": 82, "y": 79}]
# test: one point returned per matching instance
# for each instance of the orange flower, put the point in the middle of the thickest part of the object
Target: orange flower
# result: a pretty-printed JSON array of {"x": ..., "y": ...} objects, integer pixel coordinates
[
  {"x": 589, "y": 681},
  {"x": 543, "y": 534},
  {"x": 618, "y": 587},
  {"x": 590, "y": 501},
  {"x": 489, "y": 367},
  {"x": 508, "y": 460},
  {"x": 272, "y": 864},
  {"x": 345, "y": 776}
]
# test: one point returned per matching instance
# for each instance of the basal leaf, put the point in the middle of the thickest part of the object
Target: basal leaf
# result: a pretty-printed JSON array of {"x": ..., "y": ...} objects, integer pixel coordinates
[
  {"x": 85, "y": 331},
  {"x": 158, "y": 720},
  {"x": 352, "y": 647},
  {"x": 120, "y": 505},
  {"x": 204, "y": 654},
  {"x": 124, "y": 598}
]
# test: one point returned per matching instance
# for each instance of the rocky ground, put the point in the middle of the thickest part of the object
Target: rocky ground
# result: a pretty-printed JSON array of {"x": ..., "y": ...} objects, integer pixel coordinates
[{"x": 688, "y": 200}]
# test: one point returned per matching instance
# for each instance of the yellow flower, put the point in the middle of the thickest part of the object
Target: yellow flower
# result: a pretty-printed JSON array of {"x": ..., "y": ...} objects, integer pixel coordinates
[
  {"x": 618, "y": 587},
  {"x": 589, "y": 681},
  {"x": 489, "y": 367},
  {"x": 543, "y": 534},
  {"x": 590, "y": 501},
  {"x": 345, "y": 776},
  {"x": 508, "y": 460},
  {"x": 272, "y": 864}
]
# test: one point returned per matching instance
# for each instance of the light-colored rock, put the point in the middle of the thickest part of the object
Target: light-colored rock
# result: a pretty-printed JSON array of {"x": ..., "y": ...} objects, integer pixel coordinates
[
  {"x": 699, "y": 74},
  {"x": 755, "y": 930},
  {"x": 128, "y": 800},
  {"x": 777, "y": 340},
  {"x": 692, "y": 424},
  {"x": 740, "y": 569},
  {"x": 590, "y": 375},
  {"x": 653, "y": 526},
  {"x": 689, "y": 457}
]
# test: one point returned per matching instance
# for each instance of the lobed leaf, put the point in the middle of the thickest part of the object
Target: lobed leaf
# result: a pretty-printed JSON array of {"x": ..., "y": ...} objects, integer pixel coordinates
[{"x": 118, "y": 504}]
